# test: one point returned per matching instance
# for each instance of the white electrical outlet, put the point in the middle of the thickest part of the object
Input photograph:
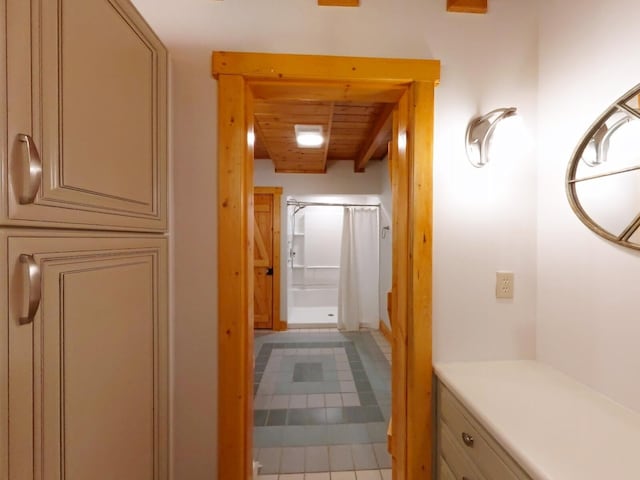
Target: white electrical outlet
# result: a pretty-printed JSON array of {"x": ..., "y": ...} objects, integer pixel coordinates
[{"x": 504, "y": 284}]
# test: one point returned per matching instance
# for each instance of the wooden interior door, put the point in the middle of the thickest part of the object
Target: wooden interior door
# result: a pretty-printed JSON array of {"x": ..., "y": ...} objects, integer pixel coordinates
[
  {"x": 263, "y": 265},
  {"x": 88, "y": 384}
]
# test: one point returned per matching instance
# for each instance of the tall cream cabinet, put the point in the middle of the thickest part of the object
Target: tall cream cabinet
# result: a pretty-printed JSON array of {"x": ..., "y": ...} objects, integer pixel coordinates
[
  {"x": 87, "y": 117},
  {"x": 84, "y": 369}
]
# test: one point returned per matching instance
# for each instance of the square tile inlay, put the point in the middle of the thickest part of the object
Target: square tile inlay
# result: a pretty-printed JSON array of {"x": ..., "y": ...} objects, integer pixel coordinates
[
  {"x": 321, "y": 392},
  {"x": 308, "y": 372}
]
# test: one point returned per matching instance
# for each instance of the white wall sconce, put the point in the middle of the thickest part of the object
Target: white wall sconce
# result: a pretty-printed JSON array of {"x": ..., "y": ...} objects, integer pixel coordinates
[
  {"x": 596, "y": 151},
  {"x": 479, "y": 133}
]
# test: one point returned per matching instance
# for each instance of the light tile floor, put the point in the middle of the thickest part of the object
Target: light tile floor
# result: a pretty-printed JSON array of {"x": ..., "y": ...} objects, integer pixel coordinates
[
  {"x": 322, "y": 404},
  {"x": 357, "y": 475}
]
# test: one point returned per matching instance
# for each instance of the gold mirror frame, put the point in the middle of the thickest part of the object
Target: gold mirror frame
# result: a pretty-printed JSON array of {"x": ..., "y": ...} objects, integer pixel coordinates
[{"x": 598, "y": 132}]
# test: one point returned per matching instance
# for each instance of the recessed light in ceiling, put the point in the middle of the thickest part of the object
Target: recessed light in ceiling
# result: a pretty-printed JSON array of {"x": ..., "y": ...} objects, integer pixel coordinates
[{"x": 309, "y": 136}]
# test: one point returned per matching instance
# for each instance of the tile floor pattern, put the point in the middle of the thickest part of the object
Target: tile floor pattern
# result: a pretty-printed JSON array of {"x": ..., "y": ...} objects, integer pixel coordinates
[
  {"x": 322, "y": 403},
  {"x": 358, "y": 475}
]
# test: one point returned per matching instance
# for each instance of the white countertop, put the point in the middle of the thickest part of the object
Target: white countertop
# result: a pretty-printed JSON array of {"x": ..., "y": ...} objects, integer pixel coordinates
[{"x": 555, "y": 427}]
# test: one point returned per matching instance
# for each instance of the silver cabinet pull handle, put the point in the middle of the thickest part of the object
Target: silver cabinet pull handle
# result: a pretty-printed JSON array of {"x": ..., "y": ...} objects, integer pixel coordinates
[
  {"x": 35, "y": 292},
  {"x": 467, "y": 439},
  {"x": 35, "y": 170}
]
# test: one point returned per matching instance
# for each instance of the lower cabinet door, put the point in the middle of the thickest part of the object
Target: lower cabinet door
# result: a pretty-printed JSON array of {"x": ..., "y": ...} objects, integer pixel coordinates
[{"x": 88, "y": 357}]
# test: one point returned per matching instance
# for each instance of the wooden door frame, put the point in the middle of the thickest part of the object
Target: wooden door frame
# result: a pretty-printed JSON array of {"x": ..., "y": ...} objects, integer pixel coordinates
[
  {"x": 408, "y": 83},
  {"x": 276, "y": 192}
]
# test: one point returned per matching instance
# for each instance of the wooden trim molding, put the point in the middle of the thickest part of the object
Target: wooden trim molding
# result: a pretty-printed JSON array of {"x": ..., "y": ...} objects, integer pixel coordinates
[
  {"x": 235, "y": 274},
  {"x": 412, "y": 84},
  {"x": 385, "y": 331},
  {"x": 467, "y": 6}
]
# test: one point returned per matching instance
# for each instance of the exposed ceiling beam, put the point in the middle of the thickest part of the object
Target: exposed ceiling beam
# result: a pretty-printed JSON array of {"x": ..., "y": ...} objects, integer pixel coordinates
[
  {"x": 467, "y": 6},
  {"x": 263, "y": 141},
  {"x": 377, "y": 137},
  {"x": 339, "y": 3},
  {"x": 327, "y": 138}
]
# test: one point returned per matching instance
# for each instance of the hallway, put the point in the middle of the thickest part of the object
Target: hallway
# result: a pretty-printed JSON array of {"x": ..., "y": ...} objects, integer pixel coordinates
[{"x": 322, "y": 405}]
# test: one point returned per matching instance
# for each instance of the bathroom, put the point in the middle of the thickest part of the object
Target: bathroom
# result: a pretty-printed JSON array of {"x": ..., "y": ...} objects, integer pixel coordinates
[{"x": 575, "y": 294}]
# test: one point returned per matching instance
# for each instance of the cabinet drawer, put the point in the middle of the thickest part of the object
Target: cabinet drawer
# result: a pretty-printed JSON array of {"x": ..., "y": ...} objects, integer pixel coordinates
[
  {"x": 458, "y": 463},
  {"x": 85, "y": 117},
  {"x": 444, "y": 471},
  {"x": 469, "y": 436}
]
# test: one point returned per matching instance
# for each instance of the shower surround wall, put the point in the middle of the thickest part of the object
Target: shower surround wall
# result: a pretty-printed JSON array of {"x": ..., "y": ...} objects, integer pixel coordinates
[{"x": 314, "y": 264}]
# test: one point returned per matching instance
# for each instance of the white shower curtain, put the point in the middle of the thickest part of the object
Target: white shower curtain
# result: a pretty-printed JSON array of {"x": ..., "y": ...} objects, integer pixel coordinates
[{"x": 359, "y": 269}]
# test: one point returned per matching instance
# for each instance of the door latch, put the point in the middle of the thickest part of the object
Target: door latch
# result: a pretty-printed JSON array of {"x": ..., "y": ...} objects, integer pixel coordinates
[{"x": 269, "y": 271}]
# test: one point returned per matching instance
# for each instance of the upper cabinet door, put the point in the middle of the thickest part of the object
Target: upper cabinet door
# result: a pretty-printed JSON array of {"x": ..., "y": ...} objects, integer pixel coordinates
[{"x": 86, "y": 117}]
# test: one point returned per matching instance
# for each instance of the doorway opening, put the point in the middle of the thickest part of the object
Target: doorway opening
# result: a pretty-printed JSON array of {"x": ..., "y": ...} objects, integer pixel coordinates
[{"x": 406, "y": 85}]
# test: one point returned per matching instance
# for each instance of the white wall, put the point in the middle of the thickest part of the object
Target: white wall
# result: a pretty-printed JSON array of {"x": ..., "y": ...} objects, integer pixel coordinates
[
  {"x": 588, "y": 288},
  {"x": 484, "y": 220}
]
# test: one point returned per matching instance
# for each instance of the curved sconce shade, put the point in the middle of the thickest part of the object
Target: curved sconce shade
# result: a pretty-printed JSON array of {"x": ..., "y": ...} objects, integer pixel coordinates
[
  {"x": 593, "y": 151},
  {"x": 479, "y": 132},
  {"x": 596, "y": 151}
]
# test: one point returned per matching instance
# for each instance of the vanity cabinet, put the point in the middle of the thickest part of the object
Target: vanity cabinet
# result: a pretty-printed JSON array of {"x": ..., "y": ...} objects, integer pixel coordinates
[
  {"x": 86, "y": 117},
  {"x": 87, "y": 386},
  {"x": 466, "y": 451}
]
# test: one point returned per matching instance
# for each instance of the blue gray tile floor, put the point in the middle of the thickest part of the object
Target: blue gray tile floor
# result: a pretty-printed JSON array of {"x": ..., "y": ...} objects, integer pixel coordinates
[{"x": 322, "y": 402}]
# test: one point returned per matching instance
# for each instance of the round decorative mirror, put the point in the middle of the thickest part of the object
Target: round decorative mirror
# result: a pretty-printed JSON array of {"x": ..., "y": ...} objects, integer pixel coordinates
[{"x": 603, "y": 178}]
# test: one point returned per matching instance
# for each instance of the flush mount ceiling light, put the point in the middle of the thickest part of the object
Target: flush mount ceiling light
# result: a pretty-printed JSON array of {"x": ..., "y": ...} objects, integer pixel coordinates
[
  {"x": 479, "y": 133},
  {"x": 309, "y": 136}
]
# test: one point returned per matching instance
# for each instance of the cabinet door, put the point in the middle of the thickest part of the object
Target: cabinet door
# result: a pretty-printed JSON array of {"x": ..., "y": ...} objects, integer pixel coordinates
[
  {"x": 86, "y": 116},
  {"x": 88, "y": 394}
]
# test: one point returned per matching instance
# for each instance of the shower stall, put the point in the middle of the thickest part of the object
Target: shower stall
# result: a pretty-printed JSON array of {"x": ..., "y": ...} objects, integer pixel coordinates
[{"x": 314, "y": 239}]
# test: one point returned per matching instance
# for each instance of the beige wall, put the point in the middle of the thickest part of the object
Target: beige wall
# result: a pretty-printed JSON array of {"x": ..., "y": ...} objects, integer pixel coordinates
[
  {"x": 194, "y": 270},
  {"x": 485, "y": 220}
]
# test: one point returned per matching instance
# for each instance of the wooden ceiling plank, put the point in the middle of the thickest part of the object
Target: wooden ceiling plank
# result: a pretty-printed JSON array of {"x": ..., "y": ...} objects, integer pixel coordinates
[
  {"x": 327, "y": 140},
  {"x": 284, "y": 66},
  {"x": 305, "y": 91},
  {"x": 467, "y": 6},
  {"x": 378, "y": 135}
]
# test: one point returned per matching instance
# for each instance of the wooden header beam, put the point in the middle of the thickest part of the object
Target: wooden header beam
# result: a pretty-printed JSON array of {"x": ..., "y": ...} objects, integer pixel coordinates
[{"x": 260, "y": 66}]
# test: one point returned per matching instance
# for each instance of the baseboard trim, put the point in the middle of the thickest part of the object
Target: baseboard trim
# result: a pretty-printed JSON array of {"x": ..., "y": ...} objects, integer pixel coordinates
[{"x": 385, "y": 331}]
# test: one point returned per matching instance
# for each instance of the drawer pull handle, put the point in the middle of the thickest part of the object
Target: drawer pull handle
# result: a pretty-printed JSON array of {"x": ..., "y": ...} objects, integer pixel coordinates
[
  {"x": 467, "y": 439},
  {"x": 35, "y": 170},
  {"x": 35, "y": 291}
]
